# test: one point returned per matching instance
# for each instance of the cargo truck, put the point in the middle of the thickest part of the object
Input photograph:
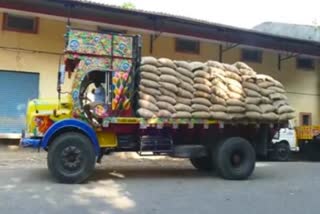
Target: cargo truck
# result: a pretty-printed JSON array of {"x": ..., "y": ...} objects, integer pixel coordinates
[{"x": 77, "y": 131}]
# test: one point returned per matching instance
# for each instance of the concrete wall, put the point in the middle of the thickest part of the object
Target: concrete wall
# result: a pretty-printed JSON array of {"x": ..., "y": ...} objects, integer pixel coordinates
[{"x": 41, "y": 53}]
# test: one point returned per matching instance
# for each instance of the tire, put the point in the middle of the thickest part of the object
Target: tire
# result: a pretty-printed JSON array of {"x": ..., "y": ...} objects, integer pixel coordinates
[
  {"x": 312, "y": 151},
  {"x": 281, "y": 152},
  {"x": 71, "y": 158},
  {"x": 234, "y": 158},
  {"x": 202, "y": 164}
]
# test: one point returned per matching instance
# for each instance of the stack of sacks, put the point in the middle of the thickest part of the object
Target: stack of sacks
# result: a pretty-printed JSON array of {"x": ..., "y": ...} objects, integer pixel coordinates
[
  {"x": 202, "y": 90},
  {"x": 185, "y": 90}
]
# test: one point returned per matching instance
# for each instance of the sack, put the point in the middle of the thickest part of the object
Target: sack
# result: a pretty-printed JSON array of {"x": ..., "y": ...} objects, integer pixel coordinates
[
  {"x": 148, "y": 105},
  {"x": 202, "y": 74},
  {"x": 234, "y": 95},
  {"x": 182, "y": 107},
  {"x": 185, "y": 101},
  {"x": 251, "y": 93},
  {"x": 183, "y": 64},
  {"x": 214, "y": 64},
  {"x": 145, "y": 113},
  {"x": 251, "y": 86},
  {"x": 149, "y": 76},
  {"x": 150, "y": 69},
  {"x": 235, "y": 102},
  {"x": 200, "y": 114},
  {"x": 235, "y": 109},
  {"x": 285, "y": 109},
  {"x": 232, "y": 68},
  {"x": 265, "y": 108},
  {"x": 220, "y": 115},
  {"x": 185, "y": 72},
  {"x": 286, "y": 116},
  {"x": 237, "y": 116},
  {"x": 185, "y": 79},
  {"x": 164, "y": 114},
  {"x": 217, "y": 100},
  {"x": 277, "y": 89},
  {"x": 278, "y": 96},
  {"x": 220, "y": 93},
  {"x": 184, "y": 93},
  {"x": 216, "y": 72},
  {"x": 266, "y": 100},
  {"x": 265, "y": 84},
  {"x": 253, "y": 100},
  {"x": 197, "y": 65},
  {"x": 218, "y": 108},
  {"x": 169, "y": 79},
  {"x": 233, "y": 76},
  {"x": 169, "y": 86},
  {"x": 203, "y": 81},
  {"x": 187, "y": 86},
  {"x": 168, "y": 93},
  {"x": 167, "y": 70},
  {"x": 182, "y": 114},
  {"x": 149, "y": 83},
  {"x": 202, "y": 101},
  {"x": 149, "y": 60},
  {"x": 279, "y": 103},
  {"x": 235, "y": 89},
  {"x": 233, "y": 82},
  {"x": 240, "y": 65},
  {"x": 150, "y": 91},
  {"x": 202, "y": 87},
  {"x": 199, "y": 107},
  {"x": 278, "y": 84},
  {"x": 166, "y": 106},
  {"x": 270, "y": 116},
  {"x": 147, "y": 97},
  {"x": 266, "y": 92},
  {"x": 253, "y": 108},
  {"x": 253, "y": 115},
  {"x": 201, "y": 94},
  {"x": 167, "y": 99},
  {"x": 165, "y": 62}
]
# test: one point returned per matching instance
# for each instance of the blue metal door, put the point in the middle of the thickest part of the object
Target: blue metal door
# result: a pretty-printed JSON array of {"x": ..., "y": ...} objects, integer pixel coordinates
[{"x": 16, "y": 88}]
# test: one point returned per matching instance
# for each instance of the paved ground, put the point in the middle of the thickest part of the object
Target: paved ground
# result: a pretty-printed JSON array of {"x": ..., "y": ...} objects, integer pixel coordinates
[{"x": 122, "y": 185}]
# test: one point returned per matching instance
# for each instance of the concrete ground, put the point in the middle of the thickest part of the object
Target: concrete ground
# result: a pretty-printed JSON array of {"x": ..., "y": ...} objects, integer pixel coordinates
[{"x": 127, "y": 184}]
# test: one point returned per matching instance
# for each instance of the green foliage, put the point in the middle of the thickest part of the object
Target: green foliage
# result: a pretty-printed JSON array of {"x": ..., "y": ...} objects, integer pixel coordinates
[{"x": 128, "y": 5}]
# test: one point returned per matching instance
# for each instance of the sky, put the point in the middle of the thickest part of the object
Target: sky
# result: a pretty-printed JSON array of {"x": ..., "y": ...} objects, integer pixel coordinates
[{"x": 239, "y": 13}]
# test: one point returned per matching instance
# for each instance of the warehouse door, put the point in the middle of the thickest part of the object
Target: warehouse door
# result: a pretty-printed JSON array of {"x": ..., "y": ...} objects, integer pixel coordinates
[{"x": 16, "y": 88}]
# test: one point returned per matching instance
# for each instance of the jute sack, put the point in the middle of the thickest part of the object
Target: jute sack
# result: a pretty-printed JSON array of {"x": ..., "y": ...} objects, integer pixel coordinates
[
  {"x": 233, "y": 82},
  {"x": 149, "y": 83},
  {"x": 202, "y": 94},
  {"x": 214, "y": 64},
  {"x": 218, "y": 108},
  {"x": 166, "y": 92},
  {"x": 253, "y": 108},
  {"x": 183, "y": 64},
  {"x": 145, "y": 113},
  {"x": 277, "y": 83},
  {"x": 201, "y": 114},
  {"x": 266, "y": 92},
  {"x": 149, "y": 76},
  {"x": 184, "y": 93},
  {"x": 165, "y": 62},
  {"x": 285, "y": 109},
  {"x": 148, "y": 105},
  {"x": 203, "y": 81},
  {"x": 182, "y": 114},
  {"x": 185, "y": 72},
  {"x": 220, "y": 115},
  {"x": 279, "y": 103},
  {"x": 187, "y": 87},
  {"x": 235, "y": 102},
  {"x": 235, "y": 109},
  {"x": 183, "y": 100},
  {"x": 149, "y": 60},
  {"x": 253, "y": 115},
  {"x": 201, "y": 101},
  {"x": 265, "y": 108},
  {"x": 218, "y": 79},
  {"x": 202, "y": 73},
  {"x": 251, "y": 86},
  {"x": 169, "y": 79},
  {"x": 242, "y": 65},
  {"x": 148, "y": 90},
  {"x": 217, "y": 100},
  {"x": 263, "y": 77},
  {"x": 185, "y": 79},
  {"x": 232, "y": 75},
  {"x": 197, "y": 65},
  {"x": 251, "y": 93},
  {"x": 147, "y": 97},
  {"x": 237, "y": 116},
  {"x": 232, "y": 68},
  {"x": 235, "y": 89},
  {"x": 270, "y": 116},
  {"x": 150, "y": 69},
  {"x": 219, "y": 92},
  {"x": 249, "y": 78},
  {"x": 286, "y": 116},
  {"x": 253, "y": 100},
  {"x": 201, "y": 87},
  {"x": 169, "y": 86},
  {"x": 277, "y": 89},
  {"x": 221, "y": 85},
  {"x": 164, "y": 113},
  {"x": 182, "y": 107},
  {"x": 167, "y": 99},
  {"x": 266, "y": 100},
  {"x": 167, "y": 70},
  {"x": 234, "y": 95},
  {"x": 247, "y": 72},
  {"x": 265, "y": 84},
  {"x": 278, "y": 96},
  {"x": 216, "y": 72},
  {"x": 166, "y": 106},
  {"x": 199, "y": 107}
]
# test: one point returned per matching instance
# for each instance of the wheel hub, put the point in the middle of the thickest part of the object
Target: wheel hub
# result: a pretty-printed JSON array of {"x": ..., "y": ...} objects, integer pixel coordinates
[
  {"x": 236, "y": 159},
  {"x": 71, "y": 158}
]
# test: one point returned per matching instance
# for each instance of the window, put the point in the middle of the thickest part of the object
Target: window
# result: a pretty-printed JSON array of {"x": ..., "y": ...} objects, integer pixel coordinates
[
  {"x": 111, "y": 30},
  {"x": 305, "y": 63},
  {"x": 305, "y": 119},
  {"x": 251, "y": 55},
  {"x": 13, "y": 22},
  {"x": 187, "y": 46}
]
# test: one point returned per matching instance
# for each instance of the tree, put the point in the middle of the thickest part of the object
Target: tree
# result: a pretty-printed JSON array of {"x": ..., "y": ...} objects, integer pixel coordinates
[{"x": 128, "y": 5}]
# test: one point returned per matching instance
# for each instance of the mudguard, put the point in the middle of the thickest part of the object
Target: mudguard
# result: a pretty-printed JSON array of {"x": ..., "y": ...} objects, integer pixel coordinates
[{"x": 71, "y": 123}]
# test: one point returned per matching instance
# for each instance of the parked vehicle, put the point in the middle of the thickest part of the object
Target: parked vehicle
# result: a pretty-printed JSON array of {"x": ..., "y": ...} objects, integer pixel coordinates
[{"x": 76, "y": 132}]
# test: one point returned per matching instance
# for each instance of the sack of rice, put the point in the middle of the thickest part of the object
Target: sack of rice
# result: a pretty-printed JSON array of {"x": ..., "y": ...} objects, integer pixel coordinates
[
  {"x": 148, "y": 105},
  {"x": 218, "y": 100},
  {"x": 147, "y": 97},
  {"x": 166, "y": 106},
  {"x": 266, "y": 100},
  {"x": 286, "y": 116},
  {"x": 149, "y": 76},
  {"x": 277, "y": 96},
  {"x": 202, "y": 94},
  {"x": 220, "y": 115},
  {"x": 149, "y": 83},
  {"x": 203, "y": 81},
  {"x": 182, "y": 107},
  {"x": 232, "y": 68},
  {"x": 266, "y": 91},
  {"x": 197, "y": 65},
  {"x": 279, "y": 103},
  {"x": 265, "y": 108},
  {"x": 285, "y": 109},
  {"x": 217, "y": 91},
  {"x": 165, "y": 62},
  {"x": 216, "y": 72},
  {"x": 164, "y": 114},
  {"x": 201, "y": 114},
  {"x": 253, "y": 115},
  {"x": 237, "y": 116},
  {"x": 149, "y": 60},
  {"x": 235, "y": 89},
  {"x": 251, "y": 86},
  {"x": 150, "y": 91},
  {"x": 169, "y": 79},
  {"x": 202, "y": 101},
  {"x": 232, "y": 75},
  {"x": 251, "y": 93},
  {"x": 218, "y": 108},
  {"x": 265, "y": 84},
  {"x": 235, "y": 102},
  {"x": 202, "y": 74},
  {"x": 183, "y": 64},
  {"x": 167, "y": 99},
  {"x": 270, "y": 116},
  {"x": 150, "y": 69},
  {"x": 182, "y": 114},
  {"x": 168, "y": 93},
  {"x": 184, "y": 93},
  {"x": 234, "y": 95},
  {"x": 214, "y": 64},
  {"x": 253, "y": 108},
  {"x": 201, "y": 87},
  {"x": 277, "y": 89},
  {"x": 199, "y": 107},
  {"x": 169, "y": 86},
  {"x": 185, "y": 101},
  {"x": 235, "y": 109},
  {"x": 187, "y": 86},
  {"x": 243, "y": 65},
  {"x": 185, "y": 79},
  {"x": 167, "y": 70},
  {"x": 145, "y": 113},
  {"x": 253, "y": 100},
  {"x": 185, "y": 72}
]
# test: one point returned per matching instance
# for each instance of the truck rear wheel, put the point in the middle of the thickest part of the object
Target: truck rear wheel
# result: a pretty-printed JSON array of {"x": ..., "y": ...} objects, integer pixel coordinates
[
  {"x": 281, "y": 152},
  {"x": 202, "y": 164},
  {"x": 234, "y": 158},
  {"x": 71, "y": 158}
]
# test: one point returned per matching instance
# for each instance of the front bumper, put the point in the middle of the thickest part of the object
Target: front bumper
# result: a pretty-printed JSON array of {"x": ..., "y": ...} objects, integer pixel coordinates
[{"x": 30, "y": 142}]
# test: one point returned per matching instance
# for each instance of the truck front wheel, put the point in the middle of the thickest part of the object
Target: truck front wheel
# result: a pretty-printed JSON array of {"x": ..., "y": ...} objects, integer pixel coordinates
[
  {"x": 71, "y": 158},
  {"x": 202, "y": 163},
  {"x": 234, "y": 158}
]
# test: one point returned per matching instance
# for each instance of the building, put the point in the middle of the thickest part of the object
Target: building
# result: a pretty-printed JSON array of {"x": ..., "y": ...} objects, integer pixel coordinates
[{"x": 32, "y": 43}]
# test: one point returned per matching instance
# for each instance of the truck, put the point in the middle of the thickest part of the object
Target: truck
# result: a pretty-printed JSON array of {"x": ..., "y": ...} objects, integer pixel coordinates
[{"x": 77, "y": 132}]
